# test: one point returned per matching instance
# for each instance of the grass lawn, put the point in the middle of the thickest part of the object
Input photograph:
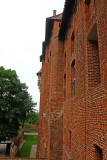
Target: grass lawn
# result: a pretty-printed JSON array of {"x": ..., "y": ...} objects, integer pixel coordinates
[
  {"x": 31, "y": 131},
  {"x": 26, "y": 148}
]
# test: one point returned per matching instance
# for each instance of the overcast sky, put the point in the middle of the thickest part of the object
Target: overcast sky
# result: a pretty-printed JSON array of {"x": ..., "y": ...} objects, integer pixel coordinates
[{"x": 22, "y": 30}]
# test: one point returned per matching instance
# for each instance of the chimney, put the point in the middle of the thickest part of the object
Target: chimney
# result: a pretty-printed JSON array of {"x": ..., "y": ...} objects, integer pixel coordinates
[{"x": 54, "y": 12}]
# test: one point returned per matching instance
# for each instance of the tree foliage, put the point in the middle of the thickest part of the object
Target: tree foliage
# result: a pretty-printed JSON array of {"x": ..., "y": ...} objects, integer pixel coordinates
[
  {"x": 15, "y": 103},
  {"x": 32, "y": 118}
]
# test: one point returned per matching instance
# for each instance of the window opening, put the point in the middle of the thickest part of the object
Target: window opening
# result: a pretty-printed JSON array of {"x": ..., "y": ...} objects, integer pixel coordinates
[
  {"x": 74, "y": 85},
  {"x": 72, "y": 42},
  {"x": 65, "y": 59},
  {"x": 50, "y": 54},
  {"x": 98, "y": 153},
  {"x": 73, "y": 78},
  {"x": 93, "y": 57},
  {"x": 64, "y": 87},
  {"x": 72, "y": 37},
  {"x": 73, "y": 64},
  {"x": 69, "y": 140},
  {"x": 87, "y": 2}
]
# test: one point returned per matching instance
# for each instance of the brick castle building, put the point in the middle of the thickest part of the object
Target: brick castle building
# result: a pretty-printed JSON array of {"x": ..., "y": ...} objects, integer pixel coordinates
[{"x": 73, "y": 100}]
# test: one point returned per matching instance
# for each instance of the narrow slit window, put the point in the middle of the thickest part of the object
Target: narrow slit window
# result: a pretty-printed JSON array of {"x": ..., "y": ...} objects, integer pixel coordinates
[
  {"x": 73, "y": 87},
  {"x": 64, "y": 87},
  {"x": 72, "y": 43},
  {"x": 65, "y": 59},
  {"x": 69, "y": 140}
]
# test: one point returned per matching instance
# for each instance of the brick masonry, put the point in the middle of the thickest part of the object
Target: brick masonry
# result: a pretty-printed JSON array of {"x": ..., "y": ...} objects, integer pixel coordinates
[{"x": 73, "y": 101}]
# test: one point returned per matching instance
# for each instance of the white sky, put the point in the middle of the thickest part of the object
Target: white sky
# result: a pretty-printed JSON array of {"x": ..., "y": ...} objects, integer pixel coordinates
[{"x": 22, "y": 31}]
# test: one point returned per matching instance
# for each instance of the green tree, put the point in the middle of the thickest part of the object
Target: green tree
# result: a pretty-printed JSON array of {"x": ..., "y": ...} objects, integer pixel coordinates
[
  {"x": 32, "y": 118},
  {"x": 15, "y": 103}
]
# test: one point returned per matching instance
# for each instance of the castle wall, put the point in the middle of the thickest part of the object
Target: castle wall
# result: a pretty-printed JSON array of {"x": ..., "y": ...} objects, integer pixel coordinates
[
  {"x": 85, "y": 110},
  {"x": 73, "y": 103}
]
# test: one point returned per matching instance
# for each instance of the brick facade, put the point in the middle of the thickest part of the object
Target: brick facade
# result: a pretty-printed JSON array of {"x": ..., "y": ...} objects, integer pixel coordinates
[{"x": 73, "y": 101}]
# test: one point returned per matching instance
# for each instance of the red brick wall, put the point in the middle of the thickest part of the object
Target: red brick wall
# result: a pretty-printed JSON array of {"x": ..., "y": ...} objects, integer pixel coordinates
[
  {"x": 74, "y": 105},
  {"x": 34, "y": 127},
  {"x": 96, "y": 110},
  {"x": 50, "y": 124},
  {"x": 73, "y": 117},
  {"x": 85, "y": 114}
]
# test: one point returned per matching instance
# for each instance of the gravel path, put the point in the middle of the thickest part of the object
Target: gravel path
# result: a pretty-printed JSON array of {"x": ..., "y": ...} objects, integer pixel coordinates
[
  {"x": 33, "y": 151},
  {"x": 2, "y": 150},
  {"x": 25, "y": 133}
]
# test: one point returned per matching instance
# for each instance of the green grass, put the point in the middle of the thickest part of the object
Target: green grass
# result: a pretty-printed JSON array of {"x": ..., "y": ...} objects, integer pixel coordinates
[
  {"x": 26, "y": 148},
  {"x": 18, "y": 131},
  {"x": 31, "y": 131}
]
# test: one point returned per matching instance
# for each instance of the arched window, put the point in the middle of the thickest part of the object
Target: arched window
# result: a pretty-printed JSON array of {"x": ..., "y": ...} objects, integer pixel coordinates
[
  {"x": 50, "y": 53},
  {"x": 64, "y": 87},
  {"x": 73, "y": 64},
  {"x": 65, "y": 59},
  {"x": 73, "y": 78},
  {"x": 98, "y": 153},
  {"x": 72, "y": 42},
  {"x": 87, "y": 2},
  {"x": 69, "y": 145}
]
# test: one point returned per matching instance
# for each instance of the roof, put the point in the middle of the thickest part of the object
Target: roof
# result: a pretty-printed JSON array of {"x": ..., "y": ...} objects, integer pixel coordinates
[
  {"x": 48, "y": 31},
  {"x": 57, "y": 17},
  {"x": 39, "y": 73},
  {"x": 49, "y": 26},
  {"x": 68, "y": 10},
  {"x": 43, "y": 51}
]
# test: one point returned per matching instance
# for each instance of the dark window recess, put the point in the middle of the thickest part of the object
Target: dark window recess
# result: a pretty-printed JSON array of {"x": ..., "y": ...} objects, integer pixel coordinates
[
  {"x": 73, "y": 64},
  {"x": 93, "y": 58},
  {"x": 72, "y": 42},
  {"x": 64, "y": 87},
  {"x": 87, "y": 2},
  {"x": 50, "y": 54},
  {"x": 72, "y": 36},
  {"x": 65, "y": 59},
  {"x": 98, "y": 153},
  {"x": 69, "y": 140},
  {"x": 73, "y": 88}
]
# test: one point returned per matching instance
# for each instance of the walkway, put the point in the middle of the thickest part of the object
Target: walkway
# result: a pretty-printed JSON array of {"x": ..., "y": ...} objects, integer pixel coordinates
[
  {"x": 2, "y": 150},
  {"x": 32, "y": 154},
  {"x": 34, "y": 147},
  {"x": 33, "y": 151},
  {"x": 7, "y": 158},
  {"x": 26, "y": 133}
]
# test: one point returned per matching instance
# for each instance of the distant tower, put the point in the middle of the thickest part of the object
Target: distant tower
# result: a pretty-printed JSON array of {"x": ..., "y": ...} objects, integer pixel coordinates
[{"x": 39, "y": 78}]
